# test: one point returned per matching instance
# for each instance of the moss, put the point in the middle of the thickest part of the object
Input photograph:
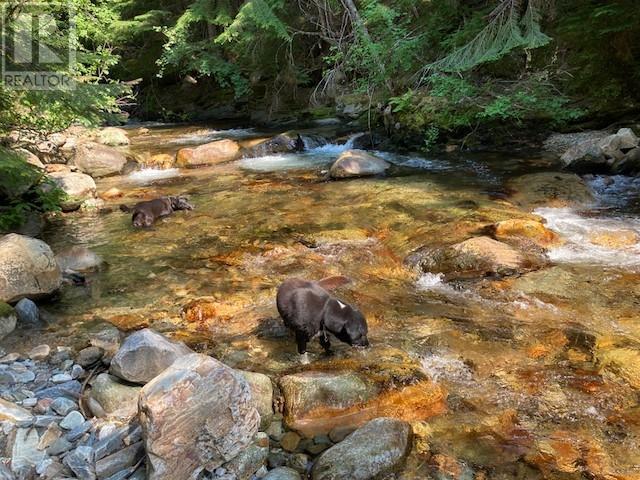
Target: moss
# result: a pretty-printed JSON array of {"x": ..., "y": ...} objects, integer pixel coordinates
[{"x": 6, "y": 310}]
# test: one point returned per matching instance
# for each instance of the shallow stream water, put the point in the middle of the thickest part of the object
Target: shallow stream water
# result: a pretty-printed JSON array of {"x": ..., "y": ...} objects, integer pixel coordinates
[{"x": 541, "y": 371}]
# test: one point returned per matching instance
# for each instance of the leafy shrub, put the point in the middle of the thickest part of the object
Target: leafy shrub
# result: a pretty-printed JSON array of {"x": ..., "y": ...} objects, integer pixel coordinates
[{"x": 24, "y": 189}]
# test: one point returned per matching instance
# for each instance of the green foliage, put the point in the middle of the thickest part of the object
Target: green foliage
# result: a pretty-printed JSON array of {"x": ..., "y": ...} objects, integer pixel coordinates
[{"x": 24, "y": 189}]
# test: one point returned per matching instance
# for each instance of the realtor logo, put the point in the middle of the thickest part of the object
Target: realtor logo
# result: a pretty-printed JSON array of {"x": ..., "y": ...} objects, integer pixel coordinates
[{"x": 38, "y": 46}]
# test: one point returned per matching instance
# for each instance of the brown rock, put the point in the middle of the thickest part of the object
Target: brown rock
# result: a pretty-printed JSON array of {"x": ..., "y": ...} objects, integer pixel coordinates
[
  {"x": 196, "y": 414},
  {"x": 208, "y": 154},
  {"x": 99, "y": 160},
  {"x": 357, "y": 163},
  {"x": 525, "y": 229},
  {"x": 111, "y": 194},
  {"x": 289, "y": 442},
  {"x": 161, "y": 160},
  {"x": 552, "y": 189}
]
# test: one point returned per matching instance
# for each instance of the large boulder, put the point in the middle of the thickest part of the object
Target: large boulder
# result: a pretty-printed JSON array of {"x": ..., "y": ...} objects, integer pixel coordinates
[
  {"x": 78, "y": 187},
  {"x": 377, "y": 449},
  {"x": 99, "y": 160},
  {"x": 549, "y": 189},
  {"x": 144, "y": 354},
  {"x": 8, "y": 320},
  {"x": 197, "y": 414},
  {"x": 604, "y": 155},
  {"x": 113, "y": 137},
  {"x": 476, "y": 257},
  {"x": 28, "y": 268},
  {"x": 357, "y": 163},
  {"x": 116, "y": 398},
  {"x": 208, "y": 154}
]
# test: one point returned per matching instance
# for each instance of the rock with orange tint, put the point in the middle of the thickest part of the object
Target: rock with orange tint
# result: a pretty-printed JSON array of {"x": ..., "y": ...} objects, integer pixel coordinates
[
  {"x": 615, "y": 239},
  {"x": 558, "y": 453},
  {"x": 208, "y": 154},
  {"x": 111, "y": 194},
  {"x": 530, "y": 230},
  {"x": 477, "y": 256},
  {"x": 199, "y": 311},
  {"x": 447, "y": 466},
  {"x": 623, "y": 362},
  {"x": 550, "y": 189},
  {"x": 161, "y": 160},
  {"x": 316, "y": 402}
]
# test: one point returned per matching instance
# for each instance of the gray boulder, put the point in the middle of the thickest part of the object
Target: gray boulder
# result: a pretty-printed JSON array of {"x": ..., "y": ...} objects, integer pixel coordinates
[
  {"x": 357, "y": 163},
  {"x": 606, "y": 155},
  {"x": 282, "y": 473},
  {"x": 99, "y": 160},
  {"x": 28, "y": 268},
  {"x": 28, "y": 313},
  {"x": 196, "y": 414},
  {"x": 144, "y": 354},
  {"x": 374, "y": 450},
  {"x": 78, "y": 187}
]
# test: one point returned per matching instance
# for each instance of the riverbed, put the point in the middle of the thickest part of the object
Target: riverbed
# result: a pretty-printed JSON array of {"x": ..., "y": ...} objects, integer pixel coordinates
[{"x": 540, "y": 370}]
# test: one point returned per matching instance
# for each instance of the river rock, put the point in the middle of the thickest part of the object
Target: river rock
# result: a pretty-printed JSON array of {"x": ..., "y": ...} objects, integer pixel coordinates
[
  {"x": 262, "y": 394},
  {"x": 310, "y": 391},
  {"x": 287, "y": 142},
  {"x": 63, "y": 406},
  {"x": 475, "y": 257},
  {"x": 72, "y": 420},
  {"x": 249, "y": 461},
  {"x": 196, "y": 414},
  {"x": 551, "y": 189},
  {"x": 79, "y": 259},
  {"x": 80, "y": 461},
  {"x": 12, "y": 413},
  {"x": 585, "y": 157},
  {"x": 99, "y": 160},
  {"x": 357, "y": 163},
  {"x": 113, "y": 137},
  {"x": 29, "y": 157},
  {"x": 282, "y": 473},
  {"x": 25, "y": 453},
  {"x": 8, "y": 320},
  {"x": 78, "y": 188},
  {"x": 121, "y": 460},
  {"x": 623, "y": 362},
  {"x": 89, "y": 356},
  {"x": 376, "y": 449},
  {"x": 28, "y": 313},
  {"x": 107, "y": 337},
  {"x": 115, "y": 398},
  {"x": 27, "y": 268},
  {"x": 525, "y": 230},
  {"x": 617, "y": 239},
  {"x": 161, "y": 160},
  {"x": 208, "y": 154},
  {"x": 144, "y": 354}
]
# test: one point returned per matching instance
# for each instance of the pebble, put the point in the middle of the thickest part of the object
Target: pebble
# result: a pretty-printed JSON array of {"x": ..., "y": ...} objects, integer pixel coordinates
[
  {"x": 25, "y": 377},
  {"x": 60, "y": 356},
  {"x": 72, "y": 420},
  {"x": 77, "y": 371},
  {"x": 29, "y": 402},
  {"x": 80, "y": 461},
  {"x": 88, "y": 356},
  {"x": 63, "y": 406},
  {"x": 10, "y": 358},
  {"x": 276, "y": 459},
  {"x": 61, "y": 445},
  {"x": 79, "y": 431},
  {"x": 46, "y": 420},
  {"x": 290, "y": 441},
  {"x": 275, "y": 431},
  {"x": 61, "y": 378},
  {"x": 41, "y": 352},
  {"x": 338, "y": 434}
]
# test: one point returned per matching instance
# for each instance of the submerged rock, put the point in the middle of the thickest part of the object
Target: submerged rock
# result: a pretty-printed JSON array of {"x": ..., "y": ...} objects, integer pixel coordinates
[
  {"x": 79, "y": 259},
  {"x": 208, "y": 154},
  {"x": 552, "y": 189},
  {"x": 196, "y": 414},
  {"x": 161, "y": 160},
  {"x": 144, "y": 354},
  {"x": 374, "y": 450},
  {"x": 27, "y": 268},
  {"x": 99, "y": 160},
  {"x": 617, "y": 239},
  {"x": 525, "y": 230},
  {"x": 8, "y": 320},
  {"x": 358, "y": 163},
  {"x": 477, "y": 256}
]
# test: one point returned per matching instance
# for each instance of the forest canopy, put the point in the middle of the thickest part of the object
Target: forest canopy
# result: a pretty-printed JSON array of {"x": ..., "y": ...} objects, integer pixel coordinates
[{"x": 437, "y": 65}]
